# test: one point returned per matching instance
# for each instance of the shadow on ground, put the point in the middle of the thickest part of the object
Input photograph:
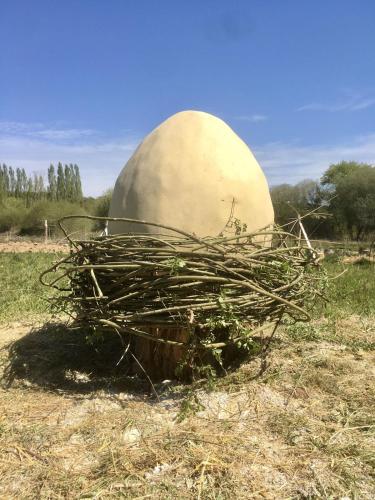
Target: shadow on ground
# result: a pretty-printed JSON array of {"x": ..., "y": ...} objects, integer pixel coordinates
[
  {"x": 56, "y": 357},
  {"x": 59, "y": 358}
]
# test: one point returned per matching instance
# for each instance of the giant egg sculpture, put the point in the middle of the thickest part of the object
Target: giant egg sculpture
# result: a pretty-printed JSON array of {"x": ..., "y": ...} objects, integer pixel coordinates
[{"x": 194, "y": 173}]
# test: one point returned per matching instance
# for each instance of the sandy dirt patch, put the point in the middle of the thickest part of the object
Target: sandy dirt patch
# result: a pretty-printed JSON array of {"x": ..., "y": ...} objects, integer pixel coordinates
[{"x": 30, "y": 246}]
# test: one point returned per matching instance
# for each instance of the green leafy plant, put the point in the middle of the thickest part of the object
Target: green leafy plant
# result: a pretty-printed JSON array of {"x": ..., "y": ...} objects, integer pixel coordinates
[{"x": 176, "y": 264}]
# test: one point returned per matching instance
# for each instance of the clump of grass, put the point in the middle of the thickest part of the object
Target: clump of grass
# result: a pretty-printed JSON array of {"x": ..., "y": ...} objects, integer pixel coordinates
[
  {"x": 346, "y": 317},
  {"x": 302, "y": 332},
  {"x": 352, "y": 292},
  {"x": 21, "y": 294}
]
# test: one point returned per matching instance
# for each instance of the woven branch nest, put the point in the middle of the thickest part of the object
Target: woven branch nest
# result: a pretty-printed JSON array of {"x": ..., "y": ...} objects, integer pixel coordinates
[{"x": 231, "y": 284}]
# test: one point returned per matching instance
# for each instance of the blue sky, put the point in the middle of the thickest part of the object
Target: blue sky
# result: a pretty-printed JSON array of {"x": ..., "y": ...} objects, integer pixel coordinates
[{"x": 84, "y": 81}]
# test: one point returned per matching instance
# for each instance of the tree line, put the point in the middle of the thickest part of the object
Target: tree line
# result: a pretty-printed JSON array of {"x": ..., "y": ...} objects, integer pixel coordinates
[
  {"x": 64, "y": 183},
  {"x": 340, "y": 205}
]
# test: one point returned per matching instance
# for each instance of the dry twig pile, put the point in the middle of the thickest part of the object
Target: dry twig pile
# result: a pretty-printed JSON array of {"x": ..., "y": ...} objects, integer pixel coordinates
[{"x": 221, "y": 289}]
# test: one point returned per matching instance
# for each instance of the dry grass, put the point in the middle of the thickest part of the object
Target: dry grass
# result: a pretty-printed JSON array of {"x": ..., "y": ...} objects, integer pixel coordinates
[{"x": 73, "y": 425}]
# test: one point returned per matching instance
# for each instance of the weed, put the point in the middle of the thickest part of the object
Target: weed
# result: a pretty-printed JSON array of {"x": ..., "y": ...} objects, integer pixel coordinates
[
  {"x": 303, "y": 332},
  {"x": 190, "y": 406}
]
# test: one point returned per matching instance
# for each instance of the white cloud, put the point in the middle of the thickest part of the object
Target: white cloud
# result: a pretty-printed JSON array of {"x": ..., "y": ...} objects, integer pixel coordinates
[
  {"x": 251, "y": 118},
  {"x": 34, "y": 147},
  {"x": 101, "y": 158},
  {"x": 353, "y": 103},
  {"x": 293, "y": 162},
  {"x": 18, "y": 127},
  {"x": 44, "y": 131},
  {"x": 363, "y": 104},
  {"x": 62, "y": 134}
]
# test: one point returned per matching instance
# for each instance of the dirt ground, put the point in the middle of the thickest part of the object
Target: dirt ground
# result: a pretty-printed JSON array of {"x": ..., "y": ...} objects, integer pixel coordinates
[
  {"x": 73, "y": 425},
  {"x": 33, "y": 246}
]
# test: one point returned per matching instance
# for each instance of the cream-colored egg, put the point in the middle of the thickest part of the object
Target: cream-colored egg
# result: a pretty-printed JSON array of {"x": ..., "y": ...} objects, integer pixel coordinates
[{"x": 191, "y": 172}]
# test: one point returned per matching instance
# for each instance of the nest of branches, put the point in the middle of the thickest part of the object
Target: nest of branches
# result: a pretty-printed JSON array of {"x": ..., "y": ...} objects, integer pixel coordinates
[{"x": 222, "y": 290}]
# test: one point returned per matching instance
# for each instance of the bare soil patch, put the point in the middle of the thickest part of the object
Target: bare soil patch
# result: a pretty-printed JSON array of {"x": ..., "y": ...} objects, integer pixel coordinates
[
  {"x": 33, "y": 246},
  {"x": 358, "y": 259}
]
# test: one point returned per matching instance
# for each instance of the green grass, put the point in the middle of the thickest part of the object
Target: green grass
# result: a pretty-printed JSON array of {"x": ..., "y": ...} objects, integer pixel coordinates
[
  {"x": 22, "y": 296},
  {"x": 353, "y": 289},
  {"x": 347, "y": 319}
]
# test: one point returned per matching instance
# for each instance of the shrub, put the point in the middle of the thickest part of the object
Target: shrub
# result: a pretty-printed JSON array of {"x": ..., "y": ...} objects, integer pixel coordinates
[
  {"x": 12, "y": 214},
  {"x": 53, "y": 211},
  {"x": 102, "y": 207}
]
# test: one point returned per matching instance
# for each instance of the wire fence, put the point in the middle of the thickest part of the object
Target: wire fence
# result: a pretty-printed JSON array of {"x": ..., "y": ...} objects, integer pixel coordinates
[{"x": 48, "y": 231}]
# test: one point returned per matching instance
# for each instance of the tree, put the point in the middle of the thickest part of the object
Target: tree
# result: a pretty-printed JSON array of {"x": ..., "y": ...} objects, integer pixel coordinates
[
  {"x": 69, "y": 187},
  {"x": 24, "y": 180},
  {"x": 12, "y": 181},
  {"x": 18, "y": 186},
  {"x": 102, "y": 207},
  {"x": 4, "y": 179},
  {"x": 336, "y": 172},
  {"x": 29, "y": 192},
  {"x": 3, "y": 191},
  {"x": 60, "y": 192},
  {"x": 77, "y": 184},
  {"x": 303, "y": 197},
  {"x": 52, "y": 183},
  {"x": 38, "y": 186},
  {"x": 351, "y": 189}
]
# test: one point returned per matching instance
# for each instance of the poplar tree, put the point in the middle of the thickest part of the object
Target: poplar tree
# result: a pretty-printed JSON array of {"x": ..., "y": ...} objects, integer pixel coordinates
[
  {"x": 18, "y": 186},
  {"x": 78, "y": 184},
  {"x": 60, "y": 192},
  {"x": 12, "y": 181},
  {"x": 29, "y": 192},
  {"x": 73, "y": 193},
  {"x": 68, "y": 183},
  {"x": 52, "y": 183},
  {"x": 2, "y": 185},
  {"x": 24, "y": 180},
  {"x": 5, "y": 176}
]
